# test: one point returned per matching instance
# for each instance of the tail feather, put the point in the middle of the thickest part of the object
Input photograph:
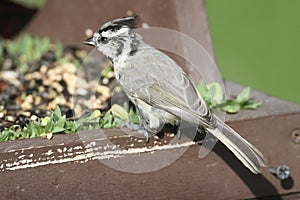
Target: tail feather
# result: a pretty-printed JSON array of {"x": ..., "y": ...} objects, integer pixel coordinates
[{"x": 249, "y": 155}]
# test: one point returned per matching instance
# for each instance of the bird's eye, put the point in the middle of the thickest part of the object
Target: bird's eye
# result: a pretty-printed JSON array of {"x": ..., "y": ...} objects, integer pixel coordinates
[{"x": 103, "y": 39}]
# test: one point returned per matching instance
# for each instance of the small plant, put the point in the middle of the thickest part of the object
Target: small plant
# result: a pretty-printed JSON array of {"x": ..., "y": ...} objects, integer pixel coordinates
[
  {"x": 42, "y": 127},
  {"x": 57, "y": 123},
  {"x": 26, "y": 49},
  {"x": 117, "y": 115},
  {"x": 213, "y": 95}
]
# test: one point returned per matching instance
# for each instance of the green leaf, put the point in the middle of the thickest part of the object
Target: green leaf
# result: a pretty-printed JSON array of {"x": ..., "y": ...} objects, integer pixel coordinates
[
  {"x": 106, "y": 121},
  {"x": 59, "y": 50},
  {"x": 77, "y": 63},
  {"x": 93, "y": 118},
  {"x": 45, "y": 121},
  {"x": 133, "y": 117},
  {"x": 216, "y": 93},
  {"x": 12, "y": 48},
  {"x": 95, "y": 114},
  {"x": 119, "y": 112},
  {"x": 70, "y": 127},
  {"x": 117, "y": 122},
  {"x": 204, "y": 91},
  {"x": 33, "y": 131},
  {"x": 57, "y": 113},
  {"x": 26, "y": 41},
  {"x": 244, "y": 95},
  {"x": 251, "y": 104},
  {"x": 4, "y": 135},
  {"x": 57, "y": 129},
  {"x": 42, "y": 45},
  {"x": 231, "y": 107},
  {"x": 107, "y": 69},
  {"x": 61, "y": 122}
]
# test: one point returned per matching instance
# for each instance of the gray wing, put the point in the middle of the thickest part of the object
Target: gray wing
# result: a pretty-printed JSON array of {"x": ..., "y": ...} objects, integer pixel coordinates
[{"x": 158, "y": 81}]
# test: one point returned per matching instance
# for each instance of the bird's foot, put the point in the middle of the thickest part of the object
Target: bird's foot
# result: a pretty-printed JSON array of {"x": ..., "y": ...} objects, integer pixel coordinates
[
  {"x": 132, "y": 126},
  {"x": 145, "y": 133},
  {"x": 137, "y": 127}
]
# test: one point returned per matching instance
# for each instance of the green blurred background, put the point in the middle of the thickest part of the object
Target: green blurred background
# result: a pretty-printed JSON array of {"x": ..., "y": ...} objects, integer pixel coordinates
[{"x": 257, "y": 43}]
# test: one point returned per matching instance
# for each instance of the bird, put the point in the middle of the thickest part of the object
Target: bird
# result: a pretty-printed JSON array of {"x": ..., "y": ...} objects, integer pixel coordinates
[{"x": 161, "y": 91}]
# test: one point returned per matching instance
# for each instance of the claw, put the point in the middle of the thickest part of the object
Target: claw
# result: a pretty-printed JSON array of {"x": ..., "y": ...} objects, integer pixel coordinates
[
  {"x": 145, "y": 133},
  {"x": 179, "y": 134}
]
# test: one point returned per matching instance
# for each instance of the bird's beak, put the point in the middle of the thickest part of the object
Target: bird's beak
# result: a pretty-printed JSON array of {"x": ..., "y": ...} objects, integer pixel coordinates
[{"x": 90, "y": 42}]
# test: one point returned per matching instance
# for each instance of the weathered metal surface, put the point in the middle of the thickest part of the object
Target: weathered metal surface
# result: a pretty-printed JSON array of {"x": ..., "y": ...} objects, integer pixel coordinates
[
  {"x": 66, "y": 168},
  {"x": 270, "y": 105}
]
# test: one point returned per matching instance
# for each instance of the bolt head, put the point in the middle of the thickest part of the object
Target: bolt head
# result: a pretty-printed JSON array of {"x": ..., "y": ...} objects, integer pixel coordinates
[
  {"x": 283, "y": 172},
  {"x": 295, "y": 136}
]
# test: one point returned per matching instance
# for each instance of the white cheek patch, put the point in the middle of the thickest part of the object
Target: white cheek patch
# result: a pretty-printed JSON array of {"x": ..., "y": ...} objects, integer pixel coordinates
[
  {"x": 110, "y": 33},
  {"x": 96, "y": 36}
]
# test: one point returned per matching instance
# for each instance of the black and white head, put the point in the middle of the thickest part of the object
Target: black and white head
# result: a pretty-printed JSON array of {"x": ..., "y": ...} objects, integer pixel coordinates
[{"x": 116, "y": 38}]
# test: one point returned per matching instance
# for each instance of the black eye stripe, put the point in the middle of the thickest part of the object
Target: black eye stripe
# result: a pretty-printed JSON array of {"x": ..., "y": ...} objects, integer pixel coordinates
[{"x": 112, "y": 27}]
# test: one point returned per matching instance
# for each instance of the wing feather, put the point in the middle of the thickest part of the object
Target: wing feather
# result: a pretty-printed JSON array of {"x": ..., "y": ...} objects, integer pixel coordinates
[{"x": 176, "y": 94}]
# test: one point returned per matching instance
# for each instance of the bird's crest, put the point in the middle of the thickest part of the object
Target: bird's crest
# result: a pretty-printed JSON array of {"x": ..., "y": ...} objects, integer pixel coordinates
[{"x": 116, "y": 24}]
